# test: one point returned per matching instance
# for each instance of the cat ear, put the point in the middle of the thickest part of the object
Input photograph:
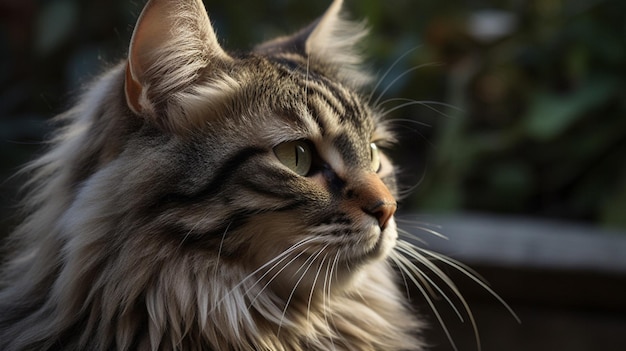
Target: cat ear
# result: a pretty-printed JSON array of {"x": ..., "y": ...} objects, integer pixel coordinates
[
  {"x": 331, "y": 40},
  {"x": 172, "y": 43}
]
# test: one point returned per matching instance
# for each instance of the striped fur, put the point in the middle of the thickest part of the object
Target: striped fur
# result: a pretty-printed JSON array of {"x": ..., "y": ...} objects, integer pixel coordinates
[{"x": 160, "y": 218}]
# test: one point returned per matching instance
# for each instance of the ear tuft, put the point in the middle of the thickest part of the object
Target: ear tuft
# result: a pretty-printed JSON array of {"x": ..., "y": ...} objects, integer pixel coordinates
[
  {"x": 332, "y": 41},
  {"x": 335, "y": 38},
  {"x": 173, "y": 42}
]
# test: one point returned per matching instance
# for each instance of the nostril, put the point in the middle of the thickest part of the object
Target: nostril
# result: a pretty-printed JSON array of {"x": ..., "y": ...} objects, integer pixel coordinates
[{"x": 382, "y": 211}]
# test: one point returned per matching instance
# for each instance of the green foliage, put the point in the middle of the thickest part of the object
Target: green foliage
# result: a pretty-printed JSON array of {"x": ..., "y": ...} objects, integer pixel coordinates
[{"x": 544, "y": 125}]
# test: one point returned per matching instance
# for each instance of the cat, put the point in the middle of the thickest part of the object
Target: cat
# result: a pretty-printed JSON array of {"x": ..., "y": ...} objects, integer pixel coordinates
[{"x": 199, "y": 199}]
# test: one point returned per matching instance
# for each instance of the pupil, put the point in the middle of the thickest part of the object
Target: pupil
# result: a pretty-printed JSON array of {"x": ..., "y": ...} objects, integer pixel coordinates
[{"x": 298, "y": 150}]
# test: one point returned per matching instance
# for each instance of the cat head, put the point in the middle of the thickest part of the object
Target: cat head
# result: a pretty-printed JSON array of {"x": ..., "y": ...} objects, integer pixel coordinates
[{"x": 249, "y": 157}]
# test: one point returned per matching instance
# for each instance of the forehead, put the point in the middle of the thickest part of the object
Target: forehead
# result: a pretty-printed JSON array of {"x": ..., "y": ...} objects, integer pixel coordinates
[
  {"x": 299, "y": 86},
  {"x": 273, "y": 100},
  {"x": 337, "y": 118}
]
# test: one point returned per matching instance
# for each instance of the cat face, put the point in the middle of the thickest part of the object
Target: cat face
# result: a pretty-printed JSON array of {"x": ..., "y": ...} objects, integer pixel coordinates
[
  {"x": 287, "y": 161},
  {"x": 266, "y": 159}
]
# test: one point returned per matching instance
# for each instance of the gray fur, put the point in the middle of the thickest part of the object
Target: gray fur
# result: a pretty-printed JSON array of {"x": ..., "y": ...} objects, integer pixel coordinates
[{"x": 171, "y": 225}]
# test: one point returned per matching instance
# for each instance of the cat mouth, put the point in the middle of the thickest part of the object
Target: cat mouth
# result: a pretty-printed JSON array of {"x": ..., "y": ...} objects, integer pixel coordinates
[
  {"x": 376, "y": 249},
  {"x": 357, "y": 244},
  {"x": 384, "y": 242},
  {"x": 377, "y": 246}
]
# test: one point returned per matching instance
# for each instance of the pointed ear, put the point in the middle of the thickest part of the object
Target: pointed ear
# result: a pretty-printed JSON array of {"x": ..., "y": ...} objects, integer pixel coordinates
[
  {"x": 172, "y": 43},
  {"x": 331, "y": 40}
]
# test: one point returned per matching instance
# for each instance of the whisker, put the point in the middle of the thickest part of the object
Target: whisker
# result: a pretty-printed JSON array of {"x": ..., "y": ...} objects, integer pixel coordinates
[
  {"x": 403, "y": 193},
  {"x": 473, "y": 276},
  {"x": 421, "y": 273},
  {"x": 418, "y": 254},
  {"x": 413, "y": 252},
  {"x": 399, "y": 77},
  {"x": 306, "y": 80},
  {"x": 421, "y": 226},
  {"x": 312, "y": 259},
  {"x": 280, "y": 257},
  {"x": 332, "y": 270},
  {"x": 402, "y": 233},
  {"x": 426, "y": 104},
  {"x": 319, "y": 269},
  {"x": 406, "y": 283},
  {"x": 271, "y": 279},
  {"x": 406, "y": 120},
  {"x": 191, "y": 231},
  {"x": 219, "y": 252},
  {"x": 426, "y": 296},
  {"x": 393, "y": 65},
  {"x": 416, "y": 273},
  {"x": 326, "y": 303}
]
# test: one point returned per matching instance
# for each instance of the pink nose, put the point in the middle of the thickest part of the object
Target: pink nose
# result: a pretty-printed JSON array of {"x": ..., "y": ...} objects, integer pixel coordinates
[
  {"x": 376, "y": 200},
  {"x": 382, "y": 211}
]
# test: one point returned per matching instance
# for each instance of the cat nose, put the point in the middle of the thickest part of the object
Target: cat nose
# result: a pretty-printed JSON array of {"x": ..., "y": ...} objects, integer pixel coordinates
[
  {"x": 376, "y": 200},
  {"x": 382, "y": 211}
]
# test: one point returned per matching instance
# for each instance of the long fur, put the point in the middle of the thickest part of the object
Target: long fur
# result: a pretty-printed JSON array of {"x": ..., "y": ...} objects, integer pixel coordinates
[{"x": 143, "y": 236}]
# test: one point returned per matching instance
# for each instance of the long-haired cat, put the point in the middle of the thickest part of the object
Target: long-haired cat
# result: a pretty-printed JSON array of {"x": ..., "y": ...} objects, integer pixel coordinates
[{"x": 197, "y": 199}]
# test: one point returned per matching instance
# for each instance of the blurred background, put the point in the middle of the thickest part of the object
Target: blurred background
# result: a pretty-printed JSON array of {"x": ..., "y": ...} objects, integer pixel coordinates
[{"x": 512, "y": 124}]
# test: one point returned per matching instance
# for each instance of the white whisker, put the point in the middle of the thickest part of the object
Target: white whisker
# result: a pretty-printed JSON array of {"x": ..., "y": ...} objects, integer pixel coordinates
[
  {"x": 219, "y": 252},
  {"x": 327, "y": 298},
  {"x": 403, "y": 233},
  {"x": 426, "y": 104},
  {"x": 420, "y": 273},
  {"x": 403, "y": 193},
  {"x": 295, "y": 286},
  {"x": 426, "y": 296},
  {"x": 403, "y": 275},
  {"x": 274, "y": 261},
  {"x": 317, "y": 274},
  {"x": 182, "y": 241},
  {"x": 399, "y": 77},
  {"x": 271, "y": 279},
  {"x": 421, "y": 226},
  {"x": 473, "y": 276},
  {"x": 395, "y": 62},
  {"x": 412, "y": 252}
]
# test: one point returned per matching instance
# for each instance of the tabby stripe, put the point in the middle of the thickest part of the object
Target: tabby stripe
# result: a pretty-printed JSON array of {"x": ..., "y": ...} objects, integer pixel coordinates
[
  {"x": 336, "y": 97},
  {"x": 321, "y": 100},
  {"x": 332, "y": 98},
  {"x": 212, "y": 237},
  {"x": 222, "y": 175},
  {"x": 270, "y": 192},
  {"x": 350, "y": 110},
  {"x": 291, "y": 69},
  {"x": 318, "y": 84},
  {"x": 346, "y": 145},
  {"x": 358, "y": 111},
  {"x": 316, "y": 113},
  {"x": 325, "y": 110}
]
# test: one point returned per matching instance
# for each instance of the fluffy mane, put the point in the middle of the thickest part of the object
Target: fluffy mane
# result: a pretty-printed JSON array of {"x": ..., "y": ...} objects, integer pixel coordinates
[{"x": 107, "y": 257}]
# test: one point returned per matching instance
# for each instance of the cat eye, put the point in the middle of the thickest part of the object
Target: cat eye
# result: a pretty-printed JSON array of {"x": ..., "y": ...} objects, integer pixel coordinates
[
  {"x": 374, "y": 158},
  {"x": 296, "y": 155}
]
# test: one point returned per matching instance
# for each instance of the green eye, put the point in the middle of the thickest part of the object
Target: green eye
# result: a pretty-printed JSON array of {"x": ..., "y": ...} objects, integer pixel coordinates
[
  {"x": 296, "y": 155},
  {"x": 375, "y": 158}
]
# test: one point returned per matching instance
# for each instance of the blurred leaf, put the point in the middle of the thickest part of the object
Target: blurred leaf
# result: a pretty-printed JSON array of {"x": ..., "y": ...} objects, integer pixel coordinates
[
  {"x": 614, "y": 210},
  {"x": 550, "y": 114},
  {"x": 510, "y": 180},
  {"x": 55, "y": 25}
]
